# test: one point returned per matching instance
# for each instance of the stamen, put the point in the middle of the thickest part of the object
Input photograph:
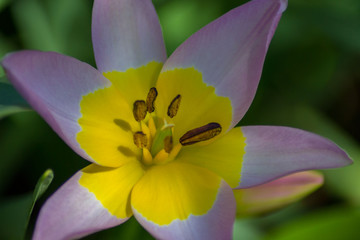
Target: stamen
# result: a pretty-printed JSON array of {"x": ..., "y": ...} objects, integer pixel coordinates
[
  {"x": 139, "y": 110},
  {"x": 161, "y": 157},
  {"x": 140, "y": 139},
  {"x": 174, "y": 106},
  {"x": 147, "y": 158},
  {"x": 151, "y": 97},
  {"x": 145, "y": 129},
  {"x": 168, "y": 144},
  {"x": 201, "y": 134},
  {"x": 152, "y": 127},
  {"x": 175, "y": 151}
]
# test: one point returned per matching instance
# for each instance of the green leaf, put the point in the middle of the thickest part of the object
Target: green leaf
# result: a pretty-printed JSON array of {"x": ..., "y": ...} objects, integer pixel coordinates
[
  {"x": 10, "y": 100},
  {"x": 8, "y": 110},
  {"x": 40, "y": 188},
  {"x": 42, "y": 184}
]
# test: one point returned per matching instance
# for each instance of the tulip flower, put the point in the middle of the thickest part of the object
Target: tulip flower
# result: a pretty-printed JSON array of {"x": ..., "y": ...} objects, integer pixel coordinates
[{"x": 159, "y": 132}]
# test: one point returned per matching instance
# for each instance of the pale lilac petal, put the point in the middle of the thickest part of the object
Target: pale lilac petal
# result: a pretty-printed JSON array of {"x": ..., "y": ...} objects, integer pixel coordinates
[
  {"x": 272, "y": 152},
  {"x": 72, "y": 212},
  {"x": 53, "y": 85},
  {"x": 230, "y": 51},
  {"x": 126, "y": 34},
  {"x": 276, "y": 194},
  {"x": 216, "y": 224}
]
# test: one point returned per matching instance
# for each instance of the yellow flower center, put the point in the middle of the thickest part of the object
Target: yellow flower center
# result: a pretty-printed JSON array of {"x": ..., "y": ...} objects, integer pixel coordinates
[
  {"x": 156, "y": 142},
  {"x": 150, "y": 117}
]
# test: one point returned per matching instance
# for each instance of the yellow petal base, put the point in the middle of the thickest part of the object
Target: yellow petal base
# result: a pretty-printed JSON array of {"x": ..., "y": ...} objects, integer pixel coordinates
[
  {"x": 174, "y": 191},
  {"x": 112, "y": 186}
]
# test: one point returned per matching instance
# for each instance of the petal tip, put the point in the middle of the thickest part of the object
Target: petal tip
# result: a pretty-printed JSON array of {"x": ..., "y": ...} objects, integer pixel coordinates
[
  {"x": 284, "y": 4},
  {"x": 347, "y": 160},
  {"x": 344, "y": 158},
  {"x": 4, "y": 62},
  {"x": 286, "y": 150}
]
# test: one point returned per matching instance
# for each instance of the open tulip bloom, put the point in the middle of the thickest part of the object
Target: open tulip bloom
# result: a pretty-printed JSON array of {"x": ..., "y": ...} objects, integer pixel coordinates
[{"x": 160, "y": 132}]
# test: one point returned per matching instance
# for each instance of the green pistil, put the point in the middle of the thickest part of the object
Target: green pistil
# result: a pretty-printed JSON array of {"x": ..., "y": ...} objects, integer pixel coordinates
[{"x": 159, "y": 139}]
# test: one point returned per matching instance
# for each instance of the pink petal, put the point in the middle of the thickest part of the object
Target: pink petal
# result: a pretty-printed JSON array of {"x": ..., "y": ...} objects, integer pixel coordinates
[
  {"x": 230, "y": 51},
  {"x": 126, "y": 34},
  {"x": 53, "y": 84},
  {"x": 273, "y": 152},
  {"x": 277, "y": 193}
]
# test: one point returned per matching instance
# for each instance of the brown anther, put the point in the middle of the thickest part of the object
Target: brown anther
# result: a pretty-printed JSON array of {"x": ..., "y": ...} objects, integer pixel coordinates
[
  {"x": 174, "y": 106},
  {"x": 201, "y": 134},
  {"x": 140, "y": 139},
  {"x": 139, "y": 110},
  {"x": 150, "y": 100},
  {"x": 168, "y": 144}
]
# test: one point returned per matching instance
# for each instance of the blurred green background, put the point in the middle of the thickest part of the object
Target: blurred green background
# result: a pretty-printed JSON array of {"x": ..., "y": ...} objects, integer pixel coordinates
[{"x": 311, "y": 80}]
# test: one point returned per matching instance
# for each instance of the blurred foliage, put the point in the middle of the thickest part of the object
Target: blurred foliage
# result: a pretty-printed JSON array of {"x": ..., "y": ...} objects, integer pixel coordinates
[
  {"x": 343, "y": 223},
  {"x": 311, "y": 80},
  {"x": 10, "y": 100},
  {"x": 13, "y": 216}
]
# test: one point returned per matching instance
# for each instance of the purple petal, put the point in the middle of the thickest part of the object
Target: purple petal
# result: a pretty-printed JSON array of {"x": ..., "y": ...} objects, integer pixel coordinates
[
  {"x": 53, "y": 85},
  {"x": 230, "y": 51},
  {"x": 126, "y": 34},
  {"x": 216, "y": 224},
  {"x": 273, "y": 152},
  {"x": 73, "y": 212}
]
